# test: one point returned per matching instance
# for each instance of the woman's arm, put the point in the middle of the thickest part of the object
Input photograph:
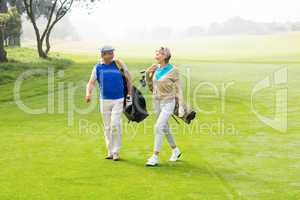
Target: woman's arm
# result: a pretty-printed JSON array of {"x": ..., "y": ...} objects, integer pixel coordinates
[
  {"x": 179, "y": 94},
  {"x": 178, "y": 88},
  {"x": 149, "y": 76}
]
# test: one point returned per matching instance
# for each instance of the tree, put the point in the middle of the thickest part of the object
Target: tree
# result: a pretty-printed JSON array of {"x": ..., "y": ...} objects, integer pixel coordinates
[
  {"x": 3, "y": 19},
  {"x": 3, "y": 53},
  {"x": 54, "y": 11},
  {"x": 13, "y": 28},
  {"x": 13, "y": 31}
]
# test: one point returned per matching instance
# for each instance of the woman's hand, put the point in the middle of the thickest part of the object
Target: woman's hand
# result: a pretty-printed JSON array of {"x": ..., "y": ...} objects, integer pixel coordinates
[{"x": 181, "y": 111}]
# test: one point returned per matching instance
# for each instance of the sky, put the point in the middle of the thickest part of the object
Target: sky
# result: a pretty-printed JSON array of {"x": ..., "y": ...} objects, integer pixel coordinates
[{"x": 111, "y": 17}]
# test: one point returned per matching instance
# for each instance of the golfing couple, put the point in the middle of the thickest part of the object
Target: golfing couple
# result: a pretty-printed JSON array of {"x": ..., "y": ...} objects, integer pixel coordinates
[{"x": 110, "y": 73}]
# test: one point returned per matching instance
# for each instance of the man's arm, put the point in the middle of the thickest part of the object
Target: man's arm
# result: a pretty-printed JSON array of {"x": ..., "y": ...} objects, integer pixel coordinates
[
  {"x": 128, "y": 81},
  {"x": 90, "y": 86},
  {"x": 128, "y": 78},
  {"x": 89, "y": 90}
]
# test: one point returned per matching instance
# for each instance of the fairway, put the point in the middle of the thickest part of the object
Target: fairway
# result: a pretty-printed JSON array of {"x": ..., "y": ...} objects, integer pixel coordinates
[{"x": 228, "y": 151}]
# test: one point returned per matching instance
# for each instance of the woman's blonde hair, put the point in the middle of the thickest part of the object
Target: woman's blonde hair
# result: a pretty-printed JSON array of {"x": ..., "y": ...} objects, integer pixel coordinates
[{"x": 165, "y": 51}]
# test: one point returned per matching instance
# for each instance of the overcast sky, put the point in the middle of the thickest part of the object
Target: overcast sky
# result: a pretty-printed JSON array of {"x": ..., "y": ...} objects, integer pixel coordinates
[{"x": 111, "y": 16}]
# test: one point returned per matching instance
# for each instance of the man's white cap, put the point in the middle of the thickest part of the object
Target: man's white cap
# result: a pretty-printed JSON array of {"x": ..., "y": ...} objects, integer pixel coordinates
[{"x": 107, "y": 48}]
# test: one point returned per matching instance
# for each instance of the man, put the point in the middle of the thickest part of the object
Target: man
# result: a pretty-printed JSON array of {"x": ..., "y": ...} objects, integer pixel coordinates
[{"x": 109, "y": 74}]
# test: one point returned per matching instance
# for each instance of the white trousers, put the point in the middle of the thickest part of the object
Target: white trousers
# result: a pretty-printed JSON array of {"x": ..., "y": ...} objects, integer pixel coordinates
[
  {"x": 163, "y": 109},
  {"x": 112, "y": 115}
]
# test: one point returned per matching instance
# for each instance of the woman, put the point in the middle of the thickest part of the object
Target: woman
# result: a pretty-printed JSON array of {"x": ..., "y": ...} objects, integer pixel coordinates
[{"x": 165, "y": 85}]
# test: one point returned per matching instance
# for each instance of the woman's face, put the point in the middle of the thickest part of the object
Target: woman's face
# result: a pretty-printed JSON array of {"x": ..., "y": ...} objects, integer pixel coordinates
[{"x": 159, "y": 57}]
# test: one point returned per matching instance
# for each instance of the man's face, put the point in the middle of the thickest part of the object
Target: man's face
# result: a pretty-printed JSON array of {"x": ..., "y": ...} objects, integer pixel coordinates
[{"x": 108, "y": 56}]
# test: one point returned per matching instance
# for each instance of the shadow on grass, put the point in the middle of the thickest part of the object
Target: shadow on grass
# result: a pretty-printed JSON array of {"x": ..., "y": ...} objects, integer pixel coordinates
[
  {"x": 181, "y": 166},
  {"x": 130, "y": 168},
  {"x": 21, "y": 60}
]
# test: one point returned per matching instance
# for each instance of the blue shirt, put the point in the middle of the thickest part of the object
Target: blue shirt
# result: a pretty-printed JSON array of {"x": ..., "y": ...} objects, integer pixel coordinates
[
  {"x": 162, "y": 71},
  {"x": 110, "y": 80}
]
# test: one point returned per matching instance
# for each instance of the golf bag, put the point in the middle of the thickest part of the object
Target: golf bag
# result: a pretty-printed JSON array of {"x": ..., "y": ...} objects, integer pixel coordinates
[
  {"x": 189, "y": 114},
  {"x": 137, "y": 111}
]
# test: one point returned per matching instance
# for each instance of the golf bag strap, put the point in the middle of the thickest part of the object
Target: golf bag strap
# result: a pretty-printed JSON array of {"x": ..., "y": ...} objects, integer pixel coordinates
[{"x": 120, "y": 66}]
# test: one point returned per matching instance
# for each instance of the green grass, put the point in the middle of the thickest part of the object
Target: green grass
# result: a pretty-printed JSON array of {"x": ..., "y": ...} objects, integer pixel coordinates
[
  {"x": 44, "y": 158},
  {"x": 24, "y": 59}
]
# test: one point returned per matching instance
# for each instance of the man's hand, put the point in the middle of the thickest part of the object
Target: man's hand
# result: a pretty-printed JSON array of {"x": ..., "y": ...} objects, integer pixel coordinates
[
  {"x": 128, "y": 100},
  {"x": 89, "y": 90},
  {"x": 88, "y": 99}
]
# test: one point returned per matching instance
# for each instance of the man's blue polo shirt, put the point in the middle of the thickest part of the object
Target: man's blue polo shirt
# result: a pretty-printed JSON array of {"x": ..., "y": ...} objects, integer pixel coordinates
[{"x": 110, "y": 80}]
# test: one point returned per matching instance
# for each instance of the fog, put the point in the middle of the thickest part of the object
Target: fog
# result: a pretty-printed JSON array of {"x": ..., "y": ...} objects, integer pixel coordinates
[
  {"x": 134, "y": 19},
  {"x": 147, "y": 20}
]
